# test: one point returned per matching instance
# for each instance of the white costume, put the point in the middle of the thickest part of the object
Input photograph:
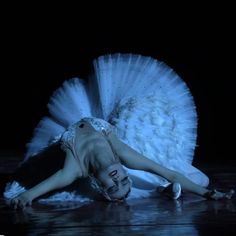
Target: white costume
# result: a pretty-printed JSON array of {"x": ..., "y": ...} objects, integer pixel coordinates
[{"x": 141, "y": 99}]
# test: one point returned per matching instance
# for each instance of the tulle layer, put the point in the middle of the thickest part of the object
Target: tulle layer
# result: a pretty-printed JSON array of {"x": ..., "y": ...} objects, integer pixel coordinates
[{"x": 149, "y": 105}]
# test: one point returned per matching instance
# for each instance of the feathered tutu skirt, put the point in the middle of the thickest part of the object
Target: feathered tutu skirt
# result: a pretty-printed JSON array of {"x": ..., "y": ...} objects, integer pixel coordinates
[{"x": 146, "y": 102}]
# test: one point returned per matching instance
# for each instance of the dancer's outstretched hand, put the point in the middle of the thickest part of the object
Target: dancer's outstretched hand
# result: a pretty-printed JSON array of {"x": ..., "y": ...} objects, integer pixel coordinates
[
  {"x": 217, "y": 195},
  {"x": 21, "y": 201}
]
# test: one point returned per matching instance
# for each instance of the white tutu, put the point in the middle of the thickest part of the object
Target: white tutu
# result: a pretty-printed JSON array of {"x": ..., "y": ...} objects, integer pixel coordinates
[{"x": 150, "y": 106}]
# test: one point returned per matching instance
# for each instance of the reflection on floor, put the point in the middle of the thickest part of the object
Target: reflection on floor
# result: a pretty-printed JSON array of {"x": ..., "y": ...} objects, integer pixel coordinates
[{"x": 190, "y": 215}]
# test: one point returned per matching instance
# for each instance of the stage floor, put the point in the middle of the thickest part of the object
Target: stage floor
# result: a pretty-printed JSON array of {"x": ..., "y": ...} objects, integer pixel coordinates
[{"x": 190, "y": 215}]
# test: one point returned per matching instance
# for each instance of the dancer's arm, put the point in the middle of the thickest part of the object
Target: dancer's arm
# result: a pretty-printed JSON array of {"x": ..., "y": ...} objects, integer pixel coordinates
[
  {"x": 134, "y": 160},
  {"x": 60, "y": 179}
]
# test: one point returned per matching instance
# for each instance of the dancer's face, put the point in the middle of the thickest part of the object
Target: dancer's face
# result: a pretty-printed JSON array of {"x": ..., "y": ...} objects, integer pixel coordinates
[{"x": 115, "y": 181}]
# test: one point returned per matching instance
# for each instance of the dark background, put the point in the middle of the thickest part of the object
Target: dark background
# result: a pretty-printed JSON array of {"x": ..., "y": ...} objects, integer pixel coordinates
[{"x": 37, "y": 55}]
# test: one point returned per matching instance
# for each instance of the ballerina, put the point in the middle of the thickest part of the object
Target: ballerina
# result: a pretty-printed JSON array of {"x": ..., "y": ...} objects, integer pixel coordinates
[{"x": 131, "y": 127}]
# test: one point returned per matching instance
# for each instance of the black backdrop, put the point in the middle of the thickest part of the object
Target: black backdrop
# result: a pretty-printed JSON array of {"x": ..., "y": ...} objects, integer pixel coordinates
[{"x": 37, "y": 57}]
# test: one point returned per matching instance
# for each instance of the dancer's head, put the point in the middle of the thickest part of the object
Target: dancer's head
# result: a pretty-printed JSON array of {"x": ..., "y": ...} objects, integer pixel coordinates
[{"x": 113, "y": 182}]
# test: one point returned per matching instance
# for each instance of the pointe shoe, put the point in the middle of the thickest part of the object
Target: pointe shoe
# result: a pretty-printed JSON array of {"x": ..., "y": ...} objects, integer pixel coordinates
[{"x": 172, "y": 190}]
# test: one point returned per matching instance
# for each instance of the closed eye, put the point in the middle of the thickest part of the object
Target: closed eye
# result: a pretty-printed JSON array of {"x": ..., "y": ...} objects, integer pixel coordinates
[
  {"x": 112, "y": 189},
  {"x": 115, "y": 188},
  {"x": 125, "y": 180}
]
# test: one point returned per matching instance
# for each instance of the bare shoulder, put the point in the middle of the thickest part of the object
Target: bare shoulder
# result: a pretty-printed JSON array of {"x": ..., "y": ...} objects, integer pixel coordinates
[
  {"x": 135, "y": 160},
  {"x": 119, "y": 146},
  {"x": 71, "y": 165},
  {"x": 128, "y": 156}
]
